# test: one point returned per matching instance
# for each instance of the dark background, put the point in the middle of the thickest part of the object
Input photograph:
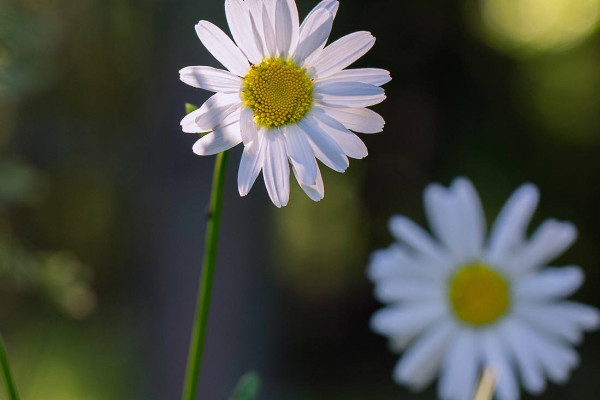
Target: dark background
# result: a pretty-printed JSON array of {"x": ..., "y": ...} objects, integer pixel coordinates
[{"x": 102, "y": 200}]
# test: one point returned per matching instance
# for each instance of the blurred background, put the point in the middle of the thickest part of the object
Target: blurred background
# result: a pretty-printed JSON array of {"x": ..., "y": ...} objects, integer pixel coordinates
[{"x": 102, "y": 200}]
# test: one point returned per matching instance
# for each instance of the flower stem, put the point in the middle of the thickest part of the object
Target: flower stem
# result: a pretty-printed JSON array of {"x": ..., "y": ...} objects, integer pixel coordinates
[
  {"x": 206, "y": 280},
  {"x": 485, "y": 387},
  {"x": 11, "y": 388}
]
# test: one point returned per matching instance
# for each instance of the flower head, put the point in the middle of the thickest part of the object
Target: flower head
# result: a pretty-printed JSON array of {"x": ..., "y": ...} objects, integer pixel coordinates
[
  {"x": 459, "y": 303},
  {"x": 285, "y": 95}
]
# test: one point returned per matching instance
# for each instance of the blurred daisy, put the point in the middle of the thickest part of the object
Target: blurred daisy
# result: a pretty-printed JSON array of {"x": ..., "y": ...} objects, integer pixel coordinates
[
  {"x": 285, "y": 95},
  {"x": 459, "y": 302}
]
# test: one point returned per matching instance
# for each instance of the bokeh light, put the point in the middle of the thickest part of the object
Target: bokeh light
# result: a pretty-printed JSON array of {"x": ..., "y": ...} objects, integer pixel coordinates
[{"x": 539, "y": 25}]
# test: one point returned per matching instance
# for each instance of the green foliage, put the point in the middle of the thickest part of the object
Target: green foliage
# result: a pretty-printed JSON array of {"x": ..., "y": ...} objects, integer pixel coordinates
[
  {"x": 27, "y": 40},
  {"x": 247, "y": 387},
  {"x": 56, "y": 275},
  {"x": 190, "y": 108},
  {"x": 19, "y": 183},
  {"x": 298, "y": 228}
]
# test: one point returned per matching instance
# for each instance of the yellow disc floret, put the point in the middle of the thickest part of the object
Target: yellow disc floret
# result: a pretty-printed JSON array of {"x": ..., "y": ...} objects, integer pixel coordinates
[
  {"x": 478, "y": 294},
  {"x": 278, "y": 92}
]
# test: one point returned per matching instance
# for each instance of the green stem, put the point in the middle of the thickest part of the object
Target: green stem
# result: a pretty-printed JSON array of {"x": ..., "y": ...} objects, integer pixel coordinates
[
  {"x": 11, "y": 388},
  {"x": 206, "y": 280}
]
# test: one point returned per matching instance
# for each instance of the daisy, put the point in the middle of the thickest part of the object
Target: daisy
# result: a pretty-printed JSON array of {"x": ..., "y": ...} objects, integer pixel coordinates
[
  {"x": 284, "y": 95},
  {"x": 459, "y": 302}
]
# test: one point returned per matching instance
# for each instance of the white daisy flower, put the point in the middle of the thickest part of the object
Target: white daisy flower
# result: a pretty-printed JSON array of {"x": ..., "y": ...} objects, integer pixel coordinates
[
  {"x": 459, "y": 302},
  {"x": 285, "y": 95}
]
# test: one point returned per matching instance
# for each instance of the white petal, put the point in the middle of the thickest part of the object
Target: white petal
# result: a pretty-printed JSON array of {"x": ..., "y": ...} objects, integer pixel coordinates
[
  {"x": 256, "y": 15},
  {"x": 249, "y": 130},
  {"x": 410, "y": 233},
  {"x": 188, "y": 123},
  {"x": 396, "y": 262},
  {"x": 315, "y": 192},
  {"x": 456, "y": 217},
  {"x": 329, "y": 5},
  {"x": 342, "y": 53},
  {"x": 221, "y": 139},
  {"x": 286, "y": 27},
  {"x": 313, "y": 34},
  {"x": 509, "y": 229},
  {"x": 240, "y": 24},
  {"x": 324, "y": 147},
  {"x": 350, "y": 143},
  {"x": 460, "y": 367},
  {"x": 585, "y": 317},
  {"x": 420, "y": 362},
  {"x": 470, "y": 211},
  {"x": 342, "y": 94},
  {"x": 531, "y": 372},
  {"x": 250, "y": 166},
  {"x": 555, "y": 358},
  {"x": 357, "y": 119},
  {"x": 301, "y": 155},
  {"x": 215, "y": 118},
  {"x": 212, "y": 113},
  {"x": 259, "y": 36},
  {"x": 549, "y": 241},
  {"x": 549, "y": 283},
  {"x": 276, "y": 170},
  {"x": 496, "y": 357},
  {"x": 404, "y": 323},
  {"x": 213, "y": 79},
  {"x": 545, "y": 319},
  {"x": 407, "y": 289},
  {"x": 222, "y": 48},
  {"x": 256, "y": 8},
  {"x": 442, "y": 219},
  {"x": 388, "y": 263},
  {"x": 270, "y": 43},
  {"x": 372, "y": 76},
  {"x": 270, "y": 6}
]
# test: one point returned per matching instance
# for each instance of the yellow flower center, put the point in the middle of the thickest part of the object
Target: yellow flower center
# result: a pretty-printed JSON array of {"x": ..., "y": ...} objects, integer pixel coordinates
[
  {"x": 479, "y": 295},
  {"x": 278, "y": 92}
]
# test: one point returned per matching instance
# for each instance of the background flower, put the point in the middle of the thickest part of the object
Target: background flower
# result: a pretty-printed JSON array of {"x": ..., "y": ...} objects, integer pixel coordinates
[{"x": 460, "y": 303}]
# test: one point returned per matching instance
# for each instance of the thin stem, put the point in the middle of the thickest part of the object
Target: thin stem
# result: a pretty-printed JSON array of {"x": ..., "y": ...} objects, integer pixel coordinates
[
  {"x": 485, "y": 388},
  {"x": 11, "y": 388},
  {"x": 206, "y": 280}
]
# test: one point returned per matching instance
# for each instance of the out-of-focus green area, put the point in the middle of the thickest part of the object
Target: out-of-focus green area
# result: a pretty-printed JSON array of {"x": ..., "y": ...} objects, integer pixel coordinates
[
  {"x": 247, "y": 388},
  {"x": 501, "y": 91},
  {"x": 58, "y": 211}
]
